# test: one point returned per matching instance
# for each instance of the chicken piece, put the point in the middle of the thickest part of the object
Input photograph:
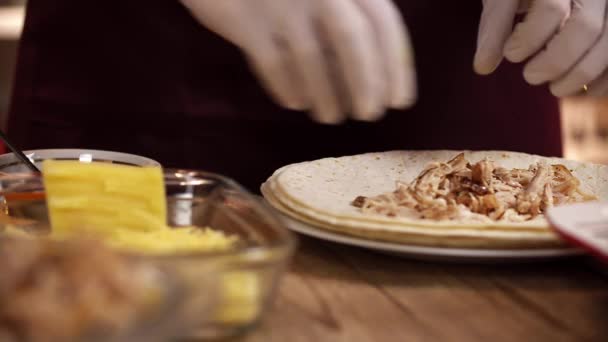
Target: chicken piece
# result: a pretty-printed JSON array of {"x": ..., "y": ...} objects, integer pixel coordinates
[
  {"x": 448, "y": 211},
  {"x": 444, "y": 187},
  {"x": 542, "y": 177},
  {"x": 482, "y": 173},
  {"x": 404, "y": 197},
  {"x": 464, "y": 198},
  {"x": 497, "y": 214},
  {"x": 380, "y": 206},
  {"x": 507, "y": 197},
  {"x": 566, "y": 187},
  {"x": 492, "y": 206},
  {"x": 473, "y": 203},
  {"x": 488, "y": 203},
  {"x": 458, "y": 163},
  {"x": 511, "y": 215},
  {"x": 462, "y": 173},
  {"x": 429, "y": 179},
  {"x": 391, "y": 205},
  {"x": 18, "y": 256},
  {"x": 458, "y": 184},
  {"x": 433, "y": 180},
  {"x": 66, "y": 290},
  {"x": 547, "y": 199},
  {"x": 481, "y": 191},
  {"x": 529, "y": 202},
  {"x": 514, "y": 177},
  {"x": 359, "y": 202},
  {"x": 585, "y": 196},
  {"x": 466, "y": 184},
  {"x": 425, "y": 187},
  {"x": 563, "y": 181},
  {"x": 499, "y": 186}
]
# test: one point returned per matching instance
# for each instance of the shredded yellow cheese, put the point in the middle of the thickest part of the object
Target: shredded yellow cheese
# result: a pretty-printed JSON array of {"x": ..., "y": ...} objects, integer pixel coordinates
[
  {"x": 166, "y": 241},
  {"x": 125, "y": 206}
]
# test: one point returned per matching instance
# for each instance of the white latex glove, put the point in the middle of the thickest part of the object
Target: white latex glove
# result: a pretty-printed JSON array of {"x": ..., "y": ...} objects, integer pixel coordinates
[
  {"x": 566, "y": 42},
  {"x": 331, "y": 57}
]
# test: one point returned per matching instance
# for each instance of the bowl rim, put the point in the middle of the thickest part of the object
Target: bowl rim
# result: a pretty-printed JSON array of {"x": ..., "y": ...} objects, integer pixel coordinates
[
  {"x": 282, "y": 248},
  {"x": 64, "y": 153}
]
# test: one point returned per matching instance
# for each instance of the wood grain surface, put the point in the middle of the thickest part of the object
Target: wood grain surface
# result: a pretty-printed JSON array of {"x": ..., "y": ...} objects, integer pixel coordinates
[{"x": 340, "y": 293}]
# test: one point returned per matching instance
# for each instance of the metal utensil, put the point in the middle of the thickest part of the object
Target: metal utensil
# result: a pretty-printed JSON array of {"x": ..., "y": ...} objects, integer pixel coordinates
[{"x": 24, "y": 159}]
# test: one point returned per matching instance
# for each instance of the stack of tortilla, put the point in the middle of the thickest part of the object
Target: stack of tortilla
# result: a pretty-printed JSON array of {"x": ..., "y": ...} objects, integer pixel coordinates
[{"x": 319, "y": 193}]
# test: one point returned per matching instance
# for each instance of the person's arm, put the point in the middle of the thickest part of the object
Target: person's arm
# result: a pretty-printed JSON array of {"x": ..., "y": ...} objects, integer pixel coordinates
[
  {"x": 332, "y": 57},
  {"x": 564, "y": 43}
]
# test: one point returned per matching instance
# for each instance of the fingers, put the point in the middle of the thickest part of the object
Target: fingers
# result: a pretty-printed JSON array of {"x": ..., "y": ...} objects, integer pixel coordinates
[
  {"x": 396, "y": 50},
  {"x": 332, "y": 57},
  {"x": 579, "y": 33},
  {"x": 351, "y": 37},
  {"x": 313, "y": 70},
  {"x": 540, "y": 24},
  {"x": 215, "y": 19},
  {"x": 599, "y": 87},
  {"x": 273, "y": 68},
  {"x": 524, "y": 6},
  {"x": 586, "y": 71},
  {"x": 494, "y": 28},
  {"x": 269, "y": 61}
]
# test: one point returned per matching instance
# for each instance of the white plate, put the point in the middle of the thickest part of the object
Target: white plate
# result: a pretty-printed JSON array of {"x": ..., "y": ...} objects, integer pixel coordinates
[{"x": 435, "y": 253}]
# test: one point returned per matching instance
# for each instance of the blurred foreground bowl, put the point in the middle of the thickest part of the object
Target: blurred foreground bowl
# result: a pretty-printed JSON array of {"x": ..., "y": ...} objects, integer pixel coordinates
[{"x": 244, "y": 279}]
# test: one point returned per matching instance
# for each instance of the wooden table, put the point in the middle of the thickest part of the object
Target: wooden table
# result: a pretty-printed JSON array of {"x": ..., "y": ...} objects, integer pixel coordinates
[{"x": 338, "y": 293}]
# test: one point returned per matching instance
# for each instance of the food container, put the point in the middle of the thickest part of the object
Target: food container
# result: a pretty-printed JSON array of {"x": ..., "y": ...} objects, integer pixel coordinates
[
  {"x": 246, "y": 276},
  {"x": 9, "y": 163},
  {"x": 112, "y": 297}
]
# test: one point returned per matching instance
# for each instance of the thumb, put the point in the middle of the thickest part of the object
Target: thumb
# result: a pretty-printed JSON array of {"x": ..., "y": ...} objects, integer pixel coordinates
[{"x": 495, "y": 27}]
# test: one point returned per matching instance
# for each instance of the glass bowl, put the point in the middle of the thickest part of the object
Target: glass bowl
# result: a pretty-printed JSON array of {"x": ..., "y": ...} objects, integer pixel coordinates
[
  {"x": 112, "y": 297},
  {"x": 245, "y": 278},
  {"x": 9, "y": 163}
]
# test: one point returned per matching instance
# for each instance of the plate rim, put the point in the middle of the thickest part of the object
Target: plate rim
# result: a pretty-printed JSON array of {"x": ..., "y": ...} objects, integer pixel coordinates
[{"x": 429, "y": 252}]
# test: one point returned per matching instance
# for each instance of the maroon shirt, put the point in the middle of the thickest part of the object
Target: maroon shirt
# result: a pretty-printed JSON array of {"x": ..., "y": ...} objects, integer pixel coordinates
[{"x": 144, "y": 77}]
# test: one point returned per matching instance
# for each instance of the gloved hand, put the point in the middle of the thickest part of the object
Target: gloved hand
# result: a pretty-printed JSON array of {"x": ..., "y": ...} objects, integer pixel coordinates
[
  {"x": 332, "y": 57},
  {"x": 566, "y": 42}
]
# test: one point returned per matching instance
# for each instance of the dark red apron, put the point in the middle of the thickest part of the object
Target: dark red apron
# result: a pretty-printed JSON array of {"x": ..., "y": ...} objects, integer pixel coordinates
[{"x": 144, "y": 77}]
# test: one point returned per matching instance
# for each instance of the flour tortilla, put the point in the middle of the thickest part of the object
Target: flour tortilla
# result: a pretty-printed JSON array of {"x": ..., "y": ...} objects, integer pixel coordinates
[
  {"x": 320, "y": 193},
  {"x": 461, "y": 238}
]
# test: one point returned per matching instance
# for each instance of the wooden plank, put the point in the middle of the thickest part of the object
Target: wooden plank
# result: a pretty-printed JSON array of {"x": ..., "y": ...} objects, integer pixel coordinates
[
  {"x": 570, "y": 295},
  {"x": 484, "y": 302},
  {"x": 339, "y": 293},
  {"x": 323, "y": 299}
]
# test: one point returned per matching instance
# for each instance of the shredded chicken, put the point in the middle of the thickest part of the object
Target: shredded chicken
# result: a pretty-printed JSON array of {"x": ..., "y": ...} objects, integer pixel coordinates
[
  {"x": 52, "y": 291},
  {"x": 457, "y": 190}
]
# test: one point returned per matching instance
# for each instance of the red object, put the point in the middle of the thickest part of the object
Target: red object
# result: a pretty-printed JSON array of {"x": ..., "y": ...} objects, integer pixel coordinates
[
  {"x": 144, "y": 77},
  {"x": 584, "y": 225}
]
